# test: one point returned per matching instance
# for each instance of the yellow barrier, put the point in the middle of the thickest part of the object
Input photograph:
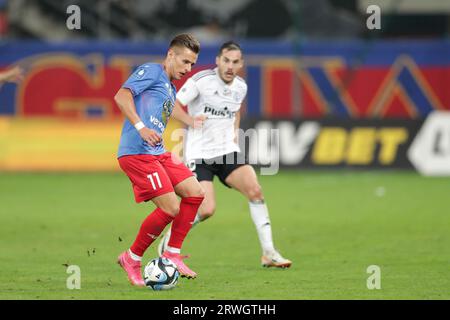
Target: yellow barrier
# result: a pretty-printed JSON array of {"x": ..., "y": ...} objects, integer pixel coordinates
[{"x": 63, "y": 145}]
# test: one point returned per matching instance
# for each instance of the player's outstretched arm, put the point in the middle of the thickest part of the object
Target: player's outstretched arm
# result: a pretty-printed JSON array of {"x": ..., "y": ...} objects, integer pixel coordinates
[
  {"x": 125, "y": 101},
  {"x": 181, "y": 115},
  {"x": 12, "y": 75}
]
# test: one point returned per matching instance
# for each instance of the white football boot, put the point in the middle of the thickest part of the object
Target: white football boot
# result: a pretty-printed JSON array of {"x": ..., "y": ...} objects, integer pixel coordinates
[{"x": 274, "y": 259}]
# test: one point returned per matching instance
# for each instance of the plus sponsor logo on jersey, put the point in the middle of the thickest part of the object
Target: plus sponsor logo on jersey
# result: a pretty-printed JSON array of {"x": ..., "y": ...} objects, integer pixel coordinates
[{"x": 219, "y": 113}]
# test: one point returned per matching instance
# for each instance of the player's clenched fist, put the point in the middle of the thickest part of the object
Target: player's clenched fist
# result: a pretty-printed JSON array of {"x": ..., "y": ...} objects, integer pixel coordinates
[
  {"x": 150, "y": 136},
  {"x": 197, "y": 121}
]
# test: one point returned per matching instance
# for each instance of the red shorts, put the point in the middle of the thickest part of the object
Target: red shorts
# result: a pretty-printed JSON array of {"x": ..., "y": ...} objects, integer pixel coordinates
[{"x": 152, "y": 176}]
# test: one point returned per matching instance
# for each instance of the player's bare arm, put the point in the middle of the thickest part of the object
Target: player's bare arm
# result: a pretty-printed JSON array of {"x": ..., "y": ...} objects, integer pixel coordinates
[
  {"x": 124, "y": 100},
  {"x": 181, "y": 115},
  {"x": 12, "y": 75}
]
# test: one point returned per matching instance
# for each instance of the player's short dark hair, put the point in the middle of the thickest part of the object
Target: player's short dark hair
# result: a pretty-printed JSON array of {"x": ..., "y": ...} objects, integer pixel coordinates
[
  {"x": 229, "y": 45},
  {"x": 186, "y": 40}
]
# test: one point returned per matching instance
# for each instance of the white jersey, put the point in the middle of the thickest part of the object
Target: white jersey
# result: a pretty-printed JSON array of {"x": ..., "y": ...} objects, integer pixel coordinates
[{"x": 206, "y": 93}]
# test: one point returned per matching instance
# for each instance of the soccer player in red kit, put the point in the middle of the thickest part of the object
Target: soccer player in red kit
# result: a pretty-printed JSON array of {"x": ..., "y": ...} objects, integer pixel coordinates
[{"x": 147, "y": 99}]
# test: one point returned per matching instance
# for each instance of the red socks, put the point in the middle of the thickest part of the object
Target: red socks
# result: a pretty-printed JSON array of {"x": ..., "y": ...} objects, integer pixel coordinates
[
  {"x": 183, "y": 221},
  {"x": 150, "y": 229}
]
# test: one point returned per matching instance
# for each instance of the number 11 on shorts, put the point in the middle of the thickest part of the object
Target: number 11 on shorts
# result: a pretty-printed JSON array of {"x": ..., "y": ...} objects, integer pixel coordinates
[{"x": 150, "y": 177}]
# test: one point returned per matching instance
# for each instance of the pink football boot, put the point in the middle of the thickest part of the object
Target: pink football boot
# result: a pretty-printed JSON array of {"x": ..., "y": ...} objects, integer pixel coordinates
[
  {"x": 132, "y": 268},
  {"x": 178, "y": 260}
]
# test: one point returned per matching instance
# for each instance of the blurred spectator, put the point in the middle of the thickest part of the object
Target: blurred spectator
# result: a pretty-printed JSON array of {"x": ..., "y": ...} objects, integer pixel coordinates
[
  {"x": 263, "y": 19},
  {"x": 3, "y": 19},
  {"x": 320, "y": 19},
  {"x": 209, "y": 32},
  {"x": 180, "y": 13},
  {"x": 159, "y": 19}
]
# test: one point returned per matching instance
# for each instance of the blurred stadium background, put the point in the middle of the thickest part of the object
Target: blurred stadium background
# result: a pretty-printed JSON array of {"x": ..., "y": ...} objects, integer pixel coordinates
[
  {"x": 343, "y": 97},
  {"x": 368, "y": 91}
]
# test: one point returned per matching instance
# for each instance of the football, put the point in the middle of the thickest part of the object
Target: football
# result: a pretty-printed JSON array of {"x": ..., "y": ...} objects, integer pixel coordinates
[{"x": 161, "y": 274}]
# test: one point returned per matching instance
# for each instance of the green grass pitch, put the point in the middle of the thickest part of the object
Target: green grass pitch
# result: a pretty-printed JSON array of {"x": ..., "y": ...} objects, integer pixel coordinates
[{"x": 333, "y": 225}]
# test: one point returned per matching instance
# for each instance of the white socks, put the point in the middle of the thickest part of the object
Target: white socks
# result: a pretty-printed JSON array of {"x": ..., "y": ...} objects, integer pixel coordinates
[
  {"x": 173, "y": 250},
  {"x": 133, "y": 256},
  {"x": 260, "y": 217}
]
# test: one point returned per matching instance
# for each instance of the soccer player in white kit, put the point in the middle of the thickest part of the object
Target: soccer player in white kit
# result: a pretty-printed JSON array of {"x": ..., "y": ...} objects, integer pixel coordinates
[{"x": 213, "y": 98}]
